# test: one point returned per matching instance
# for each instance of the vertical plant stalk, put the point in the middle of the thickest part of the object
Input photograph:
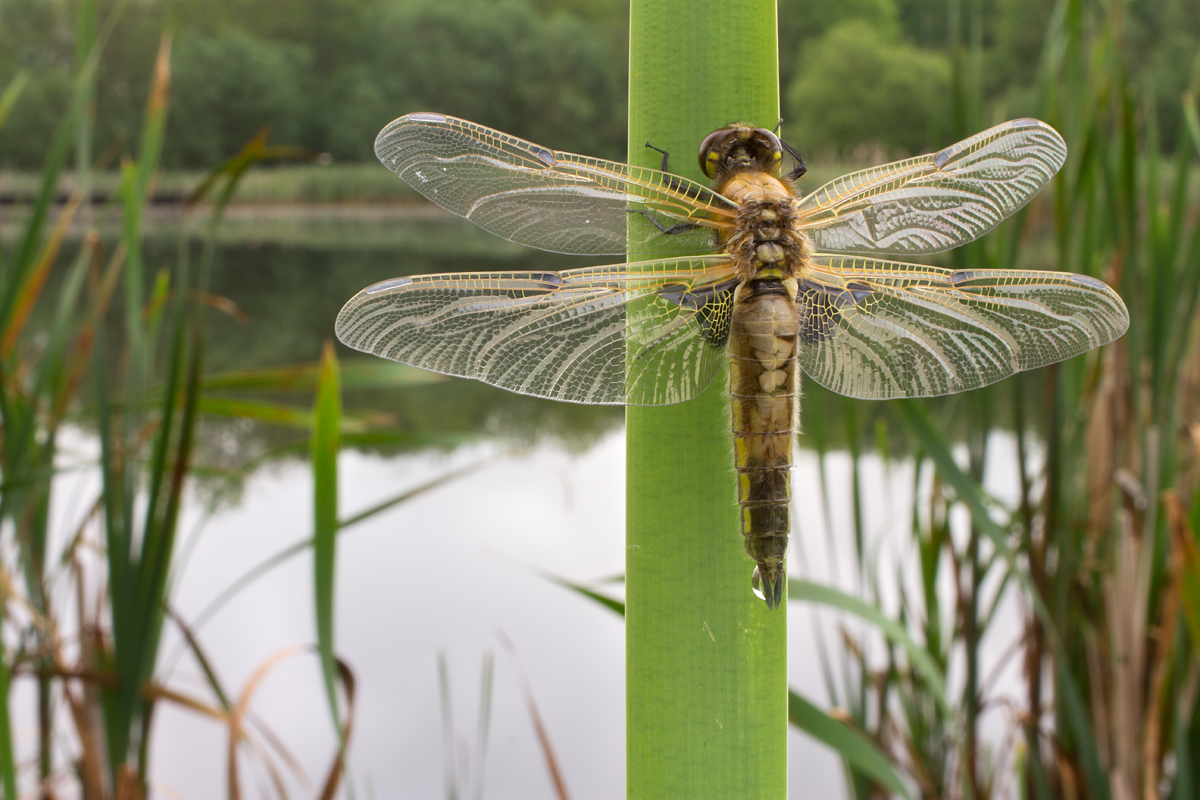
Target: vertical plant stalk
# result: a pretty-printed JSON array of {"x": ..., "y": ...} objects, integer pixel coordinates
[
  {"x": 706, "y": 661},
  {"x": 325, "y": 443}
]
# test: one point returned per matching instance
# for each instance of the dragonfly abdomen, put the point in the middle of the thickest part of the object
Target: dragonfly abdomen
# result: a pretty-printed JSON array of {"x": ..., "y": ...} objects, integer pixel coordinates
[{"x": 764, "y": 390}]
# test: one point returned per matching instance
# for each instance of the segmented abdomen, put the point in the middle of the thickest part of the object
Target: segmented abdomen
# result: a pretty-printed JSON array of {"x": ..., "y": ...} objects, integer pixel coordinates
[{"x": 764, "y": 389}]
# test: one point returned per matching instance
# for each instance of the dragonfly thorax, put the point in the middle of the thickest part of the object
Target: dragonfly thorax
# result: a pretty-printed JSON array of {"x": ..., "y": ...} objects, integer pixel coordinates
[{"x": 766, "y": 241}]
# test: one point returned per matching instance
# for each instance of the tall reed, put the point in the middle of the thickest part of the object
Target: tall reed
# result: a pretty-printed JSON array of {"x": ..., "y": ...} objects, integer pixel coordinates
[
  {"x": 118, "y": 349},
  {"x": 706, "y": 662},
  {"x": 1100, "y": 545}
]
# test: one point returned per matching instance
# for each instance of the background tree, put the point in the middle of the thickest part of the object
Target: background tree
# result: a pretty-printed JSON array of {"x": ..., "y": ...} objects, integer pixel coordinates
[
  {"x": 328, "y": 74},
  {"x": 855, "y": 75}
]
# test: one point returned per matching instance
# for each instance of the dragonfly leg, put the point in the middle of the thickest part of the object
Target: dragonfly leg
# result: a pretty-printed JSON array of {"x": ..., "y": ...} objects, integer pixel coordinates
[
  {"x": 672, "y": 183},
  {"x": 800, "y": 168},
  {"x": 666, "y": 156},
  {"x": 681, "y": 227}
]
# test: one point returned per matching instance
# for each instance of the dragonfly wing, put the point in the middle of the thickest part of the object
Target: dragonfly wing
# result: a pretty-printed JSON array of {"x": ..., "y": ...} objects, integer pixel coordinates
[
  {"x": 938, "y": 201},
  {"x": 544, "y": 198},
  {"x": 649, "y": 333},
  {"x": 881, "y": 329}
]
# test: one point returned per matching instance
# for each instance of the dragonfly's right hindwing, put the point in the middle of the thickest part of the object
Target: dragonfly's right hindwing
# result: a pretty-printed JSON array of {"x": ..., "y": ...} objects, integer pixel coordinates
[{"x": 883, "y": 329}]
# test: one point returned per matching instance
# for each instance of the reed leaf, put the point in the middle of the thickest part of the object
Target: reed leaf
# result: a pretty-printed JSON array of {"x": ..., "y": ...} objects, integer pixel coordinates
[
  {"x": 922, "y": 662},
  {"x": 858, "y": 751},
  {"x": 325, "y": 443},
  {"x": 8, "y": 98},
  {"x": 967, "y": 491},
  {"x": 706, "y": 676},
  {"x": 360, "y": 373},
  {"x": 8, "y": 762}
]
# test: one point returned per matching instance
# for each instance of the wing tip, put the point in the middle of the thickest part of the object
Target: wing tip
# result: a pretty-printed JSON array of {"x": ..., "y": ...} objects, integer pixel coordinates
[{"x": 383, "y": 144}]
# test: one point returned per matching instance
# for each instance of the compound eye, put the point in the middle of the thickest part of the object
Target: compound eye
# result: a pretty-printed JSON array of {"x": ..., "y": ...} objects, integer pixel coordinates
[
  {"x": 771, "y": 142},
  {"x": 712, "y": 150}
]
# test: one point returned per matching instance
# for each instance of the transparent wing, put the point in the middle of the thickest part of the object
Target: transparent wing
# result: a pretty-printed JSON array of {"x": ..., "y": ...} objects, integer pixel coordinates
[
  {"x": 649, "y": 333},
  {"x": 880, "y": 329},
  {"x": 939, "y": 201},
  {"x": 544, "y": 198}
]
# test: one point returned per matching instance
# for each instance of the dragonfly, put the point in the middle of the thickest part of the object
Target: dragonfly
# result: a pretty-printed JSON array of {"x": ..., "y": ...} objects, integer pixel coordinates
[{"x": 763, "y": 279}]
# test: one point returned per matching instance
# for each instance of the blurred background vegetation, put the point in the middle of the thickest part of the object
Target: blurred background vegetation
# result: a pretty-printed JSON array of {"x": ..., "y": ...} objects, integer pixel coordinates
[{"x": 329, "y": 74}]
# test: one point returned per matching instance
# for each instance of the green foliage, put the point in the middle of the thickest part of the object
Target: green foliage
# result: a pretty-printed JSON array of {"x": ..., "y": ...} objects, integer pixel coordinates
[
  {"x": 807, "y": 20},
  {"x": 559, "y": 83},
  {"x": 228, "y": 86},
  {"x": 328, "y": 74},
  {"x": 804, "y": 21},
  {"x": 851, "y": 745},
  {"x": 899, "y": 92},
  {"x": 143, "y": 361},
  {"x": 41, "y": 105}
]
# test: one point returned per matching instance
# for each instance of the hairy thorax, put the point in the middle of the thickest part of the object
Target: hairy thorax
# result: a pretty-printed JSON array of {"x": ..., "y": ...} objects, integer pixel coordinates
[{"x": 765, "y": 242}]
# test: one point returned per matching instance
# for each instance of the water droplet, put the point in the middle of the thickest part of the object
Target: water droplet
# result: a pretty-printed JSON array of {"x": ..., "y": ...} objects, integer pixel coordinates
[{"x": 756, "y": 585}]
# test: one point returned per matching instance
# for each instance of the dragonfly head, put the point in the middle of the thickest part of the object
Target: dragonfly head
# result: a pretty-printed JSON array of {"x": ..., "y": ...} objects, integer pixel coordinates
[{"x": 740, "y": 148}]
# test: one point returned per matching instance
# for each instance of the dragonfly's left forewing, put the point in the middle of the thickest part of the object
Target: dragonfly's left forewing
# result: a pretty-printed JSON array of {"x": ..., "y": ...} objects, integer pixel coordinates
[
  {"x": 649, "y": 333},
  {"x": 881, "y": 329}
]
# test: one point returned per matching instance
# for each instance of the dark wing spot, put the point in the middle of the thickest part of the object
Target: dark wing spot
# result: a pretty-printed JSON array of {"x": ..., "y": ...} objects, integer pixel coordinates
[
  {"x": 961, "y": 276},
  {"x": 545, "y": 155},
  {"x": 857, "y": 290},
  {"x": 941, "y": 158},
  {"x": 680, "y": 295},
  {"x": 712, "y": 304},
  {"x": 823, "y": 304}
]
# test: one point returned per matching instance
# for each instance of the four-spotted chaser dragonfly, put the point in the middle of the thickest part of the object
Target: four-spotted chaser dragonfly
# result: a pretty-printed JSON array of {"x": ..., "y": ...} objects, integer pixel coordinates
[{"x": 766, "y": 279}]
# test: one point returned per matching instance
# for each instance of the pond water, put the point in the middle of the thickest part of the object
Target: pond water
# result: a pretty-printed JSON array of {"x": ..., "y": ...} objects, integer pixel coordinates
[{"x": 459, "y": 570}]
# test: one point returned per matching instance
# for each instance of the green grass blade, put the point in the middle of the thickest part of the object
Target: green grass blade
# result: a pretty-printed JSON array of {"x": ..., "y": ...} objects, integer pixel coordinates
[
  {"x": 1081, "y": 734},
  {"x": 611, "y": 603},
  {"x": 292, "y": 416},
  {"x": 8, "y": 764},
  {"x": 82, "y": 91},
  {"x": 971, "y": 494},
  {"x": 8, "y": 98},
  {"x": 136, "y": 185},
  {"x": 485, "y": 719},
  {"x": 922, "y": 661},
  {"x": 328, "y": 412},
  {"x": 859, "y": 751},
  {"x": 359, "y": 373},
  {"x": 706, "y": 661}
]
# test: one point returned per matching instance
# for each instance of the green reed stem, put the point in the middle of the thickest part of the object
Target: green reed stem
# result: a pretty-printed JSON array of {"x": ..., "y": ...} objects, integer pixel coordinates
[{"x": 706, "y": 702}]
